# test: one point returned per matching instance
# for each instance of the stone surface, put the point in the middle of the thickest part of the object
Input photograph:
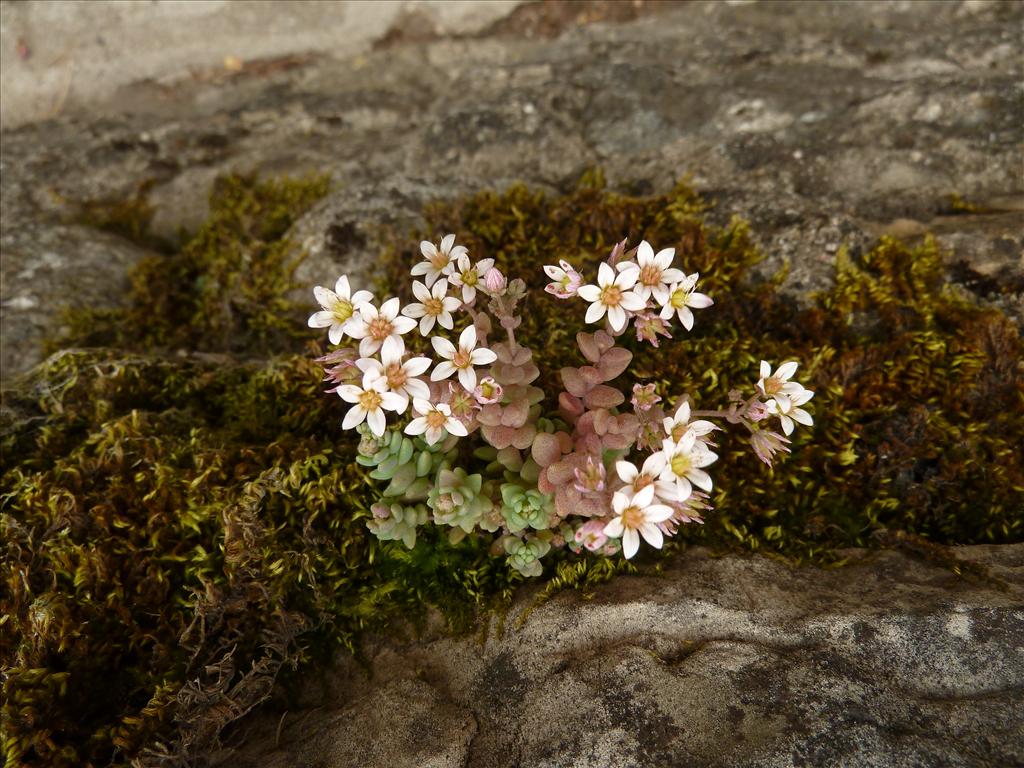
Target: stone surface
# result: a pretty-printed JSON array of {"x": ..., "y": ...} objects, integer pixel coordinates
[
  {"x": 823, "y": 124},
  {"x": 889, "y": 661},
  {"x": 59, "y": 57}
]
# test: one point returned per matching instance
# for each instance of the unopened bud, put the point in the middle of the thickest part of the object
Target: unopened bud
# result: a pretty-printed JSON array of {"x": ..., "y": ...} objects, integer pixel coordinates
[{"x": 495, "y": 282}]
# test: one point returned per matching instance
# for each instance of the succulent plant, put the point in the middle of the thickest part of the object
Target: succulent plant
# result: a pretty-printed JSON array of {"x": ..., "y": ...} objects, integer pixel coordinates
[
  {"x": 395, "y": 522},
  {"x": 458, "y": 499},
  {"x": 525, "y": 555},
  {"x": 408, "y": 463},
  {"x": 525, "y": 508}
]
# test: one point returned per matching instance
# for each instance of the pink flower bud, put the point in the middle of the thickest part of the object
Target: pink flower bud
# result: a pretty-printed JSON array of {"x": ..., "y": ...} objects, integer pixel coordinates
[{"x": 495, "y": 282}]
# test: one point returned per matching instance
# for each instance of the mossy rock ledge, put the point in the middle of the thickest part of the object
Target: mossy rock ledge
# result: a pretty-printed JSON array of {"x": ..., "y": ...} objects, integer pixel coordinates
[{"x": 187, "y": 577}]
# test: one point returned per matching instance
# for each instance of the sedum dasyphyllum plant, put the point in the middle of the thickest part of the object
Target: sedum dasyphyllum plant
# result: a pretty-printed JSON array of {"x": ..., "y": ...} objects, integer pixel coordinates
[{"x": 474, "y": 447}]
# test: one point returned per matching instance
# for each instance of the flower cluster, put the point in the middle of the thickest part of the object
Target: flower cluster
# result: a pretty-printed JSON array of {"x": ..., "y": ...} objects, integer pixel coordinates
[{"x": 535, "y": 475}]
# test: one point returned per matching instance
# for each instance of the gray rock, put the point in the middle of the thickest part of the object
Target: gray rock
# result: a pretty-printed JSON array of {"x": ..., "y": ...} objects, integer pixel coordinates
[
  {"x": 822, "y": 124},
  {"x": 734, "y": 661}
]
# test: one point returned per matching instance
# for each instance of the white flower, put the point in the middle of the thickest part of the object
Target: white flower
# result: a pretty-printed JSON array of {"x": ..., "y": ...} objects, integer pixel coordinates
[
  {"x": 612, "y": 294},
  {"x": 436, "y": 305},
  {"x": 793, "y": 412},
  {"x": 438, "y": 259},
  {"x": 654, "y": 272},
  {"x": 468, "y": 277},
  {"x": 339, "y": 308},
  {"x": 648, "y": 475},
  {"x": 461, "y": 359},
  {"x": 637, "y": 515},
  {"x": 434, "y": 421},
  {"x": 681, "y": 297},
  {"x": 676, "y": 426},
  {"x": 375, "y": 326},
  {"x": 370, "y": 401},
  {"x": 398, "y": 377},
  {"x": 779, "y": 387},
  {"x": 685, "y": 460}
]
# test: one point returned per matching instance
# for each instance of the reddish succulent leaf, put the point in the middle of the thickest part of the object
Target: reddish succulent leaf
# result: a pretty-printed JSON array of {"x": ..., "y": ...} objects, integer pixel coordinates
[
  {"x": 603, "y": 397},
  {"x": 588, "y": 346},
  {"x": 515, "y": 413},
  {"x": 602, "y": 421},
  {"x": 570, "y": 406},
  {"x": 524, "y": 436},
  {"x": 546, "y": 449},
  {"x": 489, "y": 415},
  {"x": 574, "y": 382},
  {"x": 613, "y": 362},
  {"x": 561, "y": 472},
  {"x": 499, "y": 436},
  {"x": 591, "y": 376}
]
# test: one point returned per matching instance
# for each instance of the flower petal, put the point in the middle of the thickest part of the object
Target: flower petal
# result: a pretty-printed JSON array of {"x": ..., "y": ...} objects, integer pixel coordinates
[
  {"x": 652, "y": 534},
  {"x": 630, "y": 542},
  {"x": 354, "y": 417}
]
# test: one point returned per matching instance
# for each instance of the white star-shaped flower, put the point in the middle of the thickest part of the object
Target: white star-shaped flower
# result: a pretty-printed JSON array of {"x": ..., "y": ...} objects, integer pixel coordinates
[
  {"x": 461, "y": 358},
  {"x": 339, "y": 308},
  {"x": 654, "y": 272},
  {"x": 648, "y": 475},
  {"x": 685, "y": 460},
  {"x": 439, "y": 260},
  {"x": 435, "y": 306},
  {"x": 612, "y": 294},
  {"x": 681, "y": 297},
  {"x": 637, "y": 515},
  {"x": 778, "y": 386},
  {"x": 398, "y": 377},
  {"x": 793, "y": 412},
  {"x": 676, "y": 426},
  {"x": 434, "y": 421},
  {"x": 376, "y": 325},
  {"x": 468, "y": 276},
  {"x": 370, "y": 402}
]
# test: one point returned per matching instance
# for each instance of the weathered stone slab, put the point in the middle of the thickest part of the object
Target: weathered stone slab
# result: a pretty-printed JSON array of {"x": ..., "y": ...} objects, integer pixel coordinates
[{"x": 729, "y": 661}]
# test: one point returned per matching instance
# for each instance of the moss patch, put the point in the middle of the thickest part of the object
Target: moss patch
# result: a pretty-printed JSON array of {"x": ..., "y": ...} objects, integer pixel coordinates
[{"x": 180, "y": 530}]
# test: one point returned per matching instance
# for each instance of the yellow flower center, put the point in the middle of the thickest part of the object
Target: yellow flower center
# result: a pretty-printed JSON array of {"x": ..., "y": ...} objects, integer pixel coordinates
[
  {"x": 633, "y": 517},
  {"x": 370, "y": 400},
  {"x": 681, "y": 464},
  {"x": 342, "y": 310},
  {"x": 611, "y": 295},
  {"x": 678, "y": 299},
  {"x": 433, "y": 306},
  {"x": 469, "y": 277},
  {"x": 435, "y": 419},
  {"x": 439, "y": 260}
]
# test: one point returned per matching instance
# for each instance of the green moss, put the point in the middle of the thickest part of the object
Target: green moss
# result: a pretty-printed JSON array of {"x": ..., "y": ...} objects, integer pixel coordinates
[{"x": 180, "y": 530}]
